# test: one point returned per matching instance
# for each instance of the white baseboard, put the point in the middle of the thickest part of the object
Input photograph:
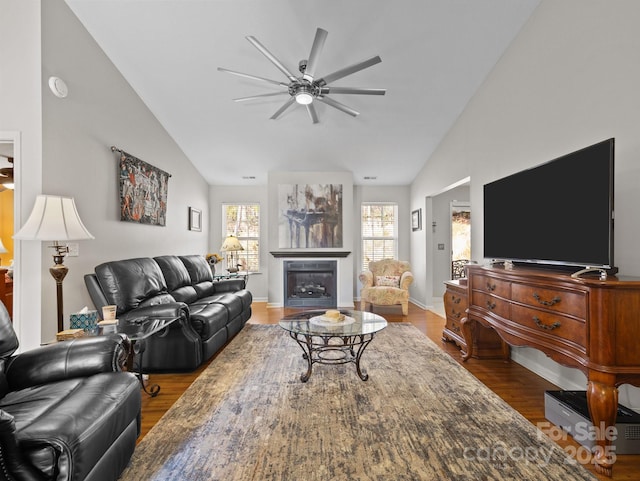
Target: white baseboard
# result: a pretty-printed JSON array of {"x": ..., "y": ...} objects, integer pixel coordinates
[
  {"x": 535, "y": 361},
  {"x": 567, "y": 378},
  {"x": 418, "y": 303}
]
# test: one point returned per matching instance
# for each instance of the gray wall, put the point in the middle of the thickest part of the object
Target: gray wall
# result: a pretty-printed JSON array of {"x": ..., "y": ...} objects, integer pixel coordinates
[
  {"x": 21, "y": 119},
  {"x": 101, "y": 110},
  {"x": 567, "y": 81},
  {"x": 259, "y": 282}
]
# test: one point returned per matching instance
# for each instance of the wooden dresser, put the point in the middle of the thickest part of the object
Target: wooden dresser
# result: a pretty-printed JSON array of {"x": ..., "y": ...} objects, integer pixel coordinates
[
  {"x": 586, "y": 323},
  {"x": 486, "y": 342}
]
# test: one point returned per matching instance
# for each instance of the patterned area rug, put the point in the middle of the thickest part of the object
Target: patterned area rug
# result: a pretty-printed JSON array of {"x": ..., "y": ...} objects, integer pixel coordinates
[{"x": 420, "y": 416}]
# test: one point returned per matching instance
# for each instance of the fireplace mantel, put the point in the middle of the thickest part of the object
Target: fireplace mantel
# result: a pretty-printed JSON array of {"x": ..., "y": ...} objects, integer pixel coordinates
[{"x": 310, "y": 253}]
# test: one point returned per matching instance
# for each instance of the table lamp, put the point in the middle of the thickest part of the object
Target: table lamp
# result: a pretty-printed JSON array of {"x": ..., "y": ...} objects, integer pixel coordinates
[
  {"x": 56, "y": 219},
  {"x": 231, "y": 244}
]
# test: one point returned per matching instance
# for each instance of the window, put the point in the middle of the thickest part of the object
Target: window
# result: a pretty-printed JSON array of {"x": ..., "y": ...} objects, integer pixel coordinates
[
  {"x": 243, "y": 221},
  {"x": 379, "y": 232}
]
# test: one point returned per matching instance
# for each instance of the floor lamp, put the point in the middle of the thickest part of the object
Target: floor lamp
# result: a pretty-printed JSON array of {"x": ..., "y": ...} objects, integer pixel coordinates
[
  {"x": 231, "y": 244},
  {"x": 55, "y": 219}
]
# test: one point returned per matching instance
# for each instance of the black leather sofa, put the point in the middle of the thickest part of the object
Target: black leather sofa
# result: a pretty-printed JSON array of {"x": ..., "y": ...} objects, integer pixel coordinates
[
  {"x": 210, "y": 311},
  {"x": 67, "y": 411}
]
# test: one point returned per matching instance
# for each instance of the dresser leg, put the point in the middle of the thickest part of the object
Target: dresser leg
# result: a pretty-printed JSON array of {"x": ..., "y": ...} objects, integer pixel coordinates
[
  {"x": 465, "y": 329},
  {"x": 603, "y": 407}
]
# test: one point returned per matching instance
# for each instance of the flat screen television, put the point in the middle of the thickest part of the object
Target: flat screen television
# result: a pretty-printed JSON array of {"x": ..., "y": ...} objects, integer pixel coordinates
[{"x": 559, "y": 213}]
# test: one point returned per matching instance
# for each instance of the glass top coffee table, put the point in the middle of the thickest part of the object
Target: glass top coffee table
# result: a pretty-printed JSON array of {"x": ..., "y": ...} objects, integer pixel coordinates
[{"x": 325, "y": 341}]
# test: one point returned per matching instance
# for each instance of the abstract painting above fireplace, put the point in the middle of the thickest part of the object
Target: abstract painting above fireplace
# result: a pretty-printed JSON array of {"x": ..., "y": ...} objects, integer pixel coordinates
[{"x": 310, "y": 215}]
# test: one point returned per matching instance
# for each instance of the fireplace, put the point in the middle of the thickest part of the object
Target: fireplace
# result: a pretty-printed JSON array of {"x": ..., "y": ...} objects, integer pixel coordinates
[{"x": 310, "y": 283}]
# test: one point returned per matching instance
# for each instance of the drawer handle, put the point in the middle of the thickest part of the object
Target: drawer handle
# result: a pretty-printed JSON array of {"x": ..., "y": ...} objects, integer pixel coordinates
[
  {"x": 456, "y": 314},
  {"x": 552, "y": 302},
  {"x": 548, "y": 327},
  {"x": 491, "y": 305},
  {"x": 456, "y": 300},
  {"x": 491, "y": 287}
]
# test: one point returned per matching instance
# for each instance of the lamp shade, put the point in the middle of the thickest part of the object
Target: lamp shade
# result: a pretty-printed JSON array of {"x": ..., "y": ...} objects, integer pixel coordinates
[
  {"x": 231, "y": 243},
  {"x": 53, "y": 218}
]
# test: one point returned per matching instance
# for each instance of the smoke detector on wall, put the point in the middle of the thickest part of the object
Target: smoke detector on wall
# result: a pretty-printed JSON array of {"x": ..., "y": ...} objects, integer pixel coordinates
[{"x": 58, "y": 87}]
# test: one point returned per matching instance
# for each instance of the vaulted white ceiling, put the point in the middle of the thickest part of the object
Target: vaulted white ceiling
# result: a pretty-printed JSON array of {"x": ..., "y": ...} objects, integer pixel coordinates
[{"x": 435, "y": 55}]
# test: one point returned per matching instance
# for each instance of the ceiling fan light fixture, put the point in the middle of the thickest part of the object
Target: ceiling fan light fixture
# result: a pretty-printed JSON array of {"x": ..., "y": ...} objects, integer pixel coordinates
[{"x": 303, "y": 96}]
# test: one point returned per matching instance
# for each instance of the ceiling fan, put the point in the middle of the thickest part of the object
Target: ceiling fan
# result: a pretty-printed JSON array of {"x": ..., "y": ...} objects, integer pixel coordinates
[
  {"x": 6, "y": 176},
  {"x": 308, "y": 88}
]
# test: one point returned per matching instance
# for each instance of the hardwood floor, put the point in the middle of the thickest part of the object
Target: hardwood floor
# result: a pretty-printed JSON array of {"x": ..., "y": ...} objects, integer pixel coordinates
[{"x": 519, "y": 387}]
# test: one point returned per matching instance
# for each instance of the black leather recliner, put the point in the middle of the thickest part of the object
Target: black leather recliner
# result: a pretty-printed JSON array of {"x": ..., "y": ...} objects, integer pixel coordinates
[
  {"x": 67, "y": 411},
  {"x": 138, "y": 289},
  {"x": 211, "y": 312}
]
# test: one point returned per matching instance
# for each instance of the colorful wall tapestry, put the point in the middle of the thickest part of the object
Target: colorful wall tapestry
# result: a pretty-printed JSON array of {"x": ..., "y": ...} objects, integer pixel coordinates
[
  {"x": 310, "y": 215},
  {"x": 143, "y": 191}
]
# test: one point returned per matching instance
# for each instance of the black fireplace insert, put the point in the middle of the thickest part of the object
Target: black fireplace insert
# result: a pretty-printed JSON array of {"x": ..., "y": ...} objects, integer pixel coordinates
[{"x": 310, "y": 283}]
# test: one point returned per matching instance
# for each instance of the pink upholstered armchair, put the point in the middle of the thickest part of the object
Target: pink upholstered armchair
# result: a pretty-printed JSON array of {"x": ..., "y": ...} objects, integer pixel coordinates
[{"x": 386, "y": 283}]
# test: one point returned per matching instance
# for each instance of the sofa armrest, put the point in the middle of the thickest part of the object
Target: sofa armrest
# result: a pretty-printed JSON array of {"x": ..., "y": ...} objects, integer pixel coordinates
[
  {"x": 229, "y": 285},
  {"x": 405, "y": 280},
  {"x": 172, "y": 309},
  {"x": 366, "y": 278},
  {"x": 80, "y": 357},
  {"x": 11, "y": 459}
]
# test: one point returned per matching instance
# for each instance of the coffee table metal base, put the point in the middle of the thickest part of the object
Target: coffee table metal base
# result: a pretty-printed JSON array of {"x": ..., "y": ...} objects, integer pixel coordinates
[
  {"x": 328, "y": 349},
  {"x": 138, "y": 331},
  {"x": 138, "y": 347}
]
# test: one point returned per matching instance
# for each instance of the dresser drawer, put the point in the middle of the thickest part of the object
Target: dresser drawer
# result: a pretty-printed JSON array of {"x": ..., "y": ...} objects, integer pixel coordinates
[
  {"x": 454, "y": 326},
  {"x": 455, "y": 305},
  {"x": 490, "y": 303},
  {"x": 549, "y": 324},
  {"x": 566, "y": 302},
  {"x": 491, "y": 286},
  {"x": 456, "y": 313}
]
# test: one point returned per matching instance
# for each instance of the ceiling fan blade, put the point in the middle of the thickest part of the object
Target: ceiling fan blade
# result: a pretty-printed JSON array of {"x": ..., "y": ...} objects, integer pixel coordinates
[
  {"x": 314, "y": 55},
  {"x": 6, "y": 174},
  {"x": 338, "y": 105},
  {"x": 260, "y": 96},
  {"x": 281, "y": 110},
  {"x": 312, "y": 113},
  {"x": 351, "y": 90},
  {"x": 263, "y": 50},
  {"x": 253, "y": 77},
  {"x": 332, "y": 77}
]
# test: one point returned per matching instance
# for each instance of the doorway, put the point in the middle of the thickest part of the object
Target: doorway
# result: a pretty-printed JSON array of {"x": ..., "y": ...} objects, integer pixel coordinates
[
  {"x": 439, "y": 252},
  {"x": 460, "y": 215},
  {"x": 6, "y": 224}
]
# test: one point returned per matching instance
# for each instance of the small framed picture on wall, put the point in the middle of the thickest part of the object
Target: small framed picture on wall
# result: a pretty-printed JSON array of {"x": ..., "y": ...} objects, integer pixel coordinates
[
  {"x": 195, "y": 219},
  {"x": 416, "y": 220}
]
